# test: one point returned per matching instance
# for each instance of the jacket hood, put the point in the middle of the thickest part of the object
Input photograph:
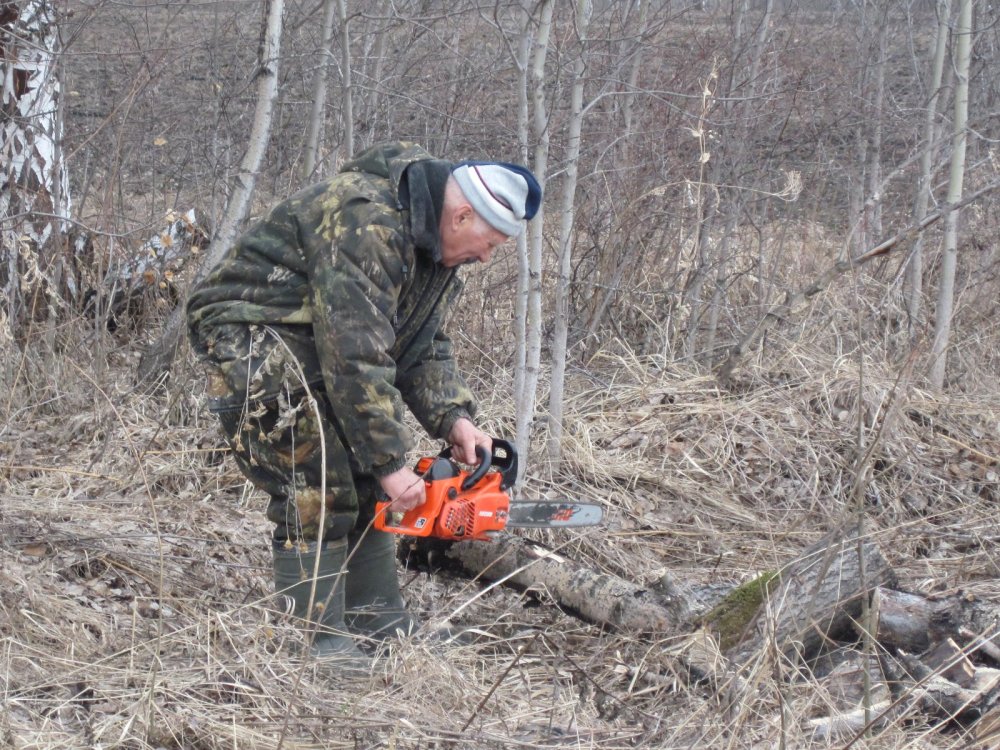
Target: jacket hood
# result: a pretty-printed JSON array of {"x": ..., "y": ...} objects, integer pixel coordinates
[
  {"x": 417, "y": 181},
  {"x": 387, "y": 160}
]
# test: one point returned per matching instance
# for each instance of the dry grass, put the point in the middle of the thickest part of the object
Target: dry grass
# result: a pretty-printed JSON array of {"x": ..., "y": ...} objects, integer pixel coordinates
[{"x": 134, "y": 591}]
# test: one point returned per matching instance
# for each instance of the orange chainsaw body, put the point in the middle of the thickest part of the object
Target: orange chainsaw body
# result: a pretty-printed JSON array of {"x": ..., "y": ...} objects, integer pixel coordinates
[{"x": 459, "y": 505}]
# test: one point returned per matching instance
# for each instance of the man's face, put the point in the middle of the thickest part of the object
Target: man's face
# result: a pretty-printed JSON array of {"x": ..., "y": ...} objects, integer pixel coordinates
[{"x": 469, "y": 241}]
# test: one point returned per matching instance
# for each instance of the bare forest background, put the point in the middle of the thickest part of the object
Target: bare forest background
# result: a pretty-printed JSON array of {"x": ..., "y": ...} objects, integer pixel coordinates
[{"x": 760, "y": 306}]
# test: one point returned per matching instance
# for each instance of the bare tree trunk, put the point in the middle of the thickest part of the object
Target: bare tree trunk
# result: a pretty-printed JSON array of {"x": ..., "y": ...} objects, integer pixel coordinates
[
  {"x": 628, "y": 107},
  {"x": 34, "y": 189},
  {"x": 949, "y": 259},
  {"x": 318, "y": 114},
  {"x": 721, "y": 279},
  {"x": 369, "y": 98},
  {"x": 525, "y": 397},
  {"x": 873, "y": 207},
  {"x": 915, "y": 271},
  {"x": 561, "y": 333},
  {"x": 521, "y": 57},
  {"x": 157, "y": 359},
  {"x": 347, "y": 101},
  {"x": 860, "y": 211}
]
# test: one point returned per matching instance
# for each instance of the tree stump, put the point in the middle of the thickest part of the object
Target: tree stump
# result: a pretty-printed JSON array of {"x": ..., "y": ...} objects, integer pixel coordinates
[{"x": 813, "y": 599}]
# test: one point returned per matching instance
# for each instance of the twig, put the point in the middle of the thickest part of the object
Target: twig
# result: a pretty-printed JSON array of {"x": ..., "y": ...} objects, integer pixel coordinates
[{"x": 500, "y": 679}]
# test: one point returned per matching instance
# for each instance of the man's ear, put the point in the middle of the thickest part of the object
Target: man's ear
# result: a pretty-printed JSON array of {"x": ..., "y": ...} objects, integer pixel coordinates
[{"x": 463, "y": 216}]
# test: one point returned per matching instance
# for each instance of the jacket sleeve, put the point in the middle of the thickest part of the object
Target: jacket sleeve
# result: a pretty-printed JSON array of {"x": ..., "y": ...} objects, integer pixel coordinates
[
  {"x": 434, "y": 389},
  {"x": 355, "y": 289}
]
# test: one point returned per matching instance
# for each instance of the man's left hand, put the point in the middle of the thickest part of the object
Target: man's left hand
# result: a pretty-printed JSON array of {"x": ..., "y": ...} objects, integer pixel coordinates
[{"x": 464, "y": 438}]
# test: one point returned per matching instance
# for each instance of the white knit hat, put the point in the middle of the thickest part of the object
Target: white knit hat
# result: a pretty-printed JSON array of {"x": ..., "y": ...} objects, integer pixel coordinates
[{"x": 502, "y": 194}]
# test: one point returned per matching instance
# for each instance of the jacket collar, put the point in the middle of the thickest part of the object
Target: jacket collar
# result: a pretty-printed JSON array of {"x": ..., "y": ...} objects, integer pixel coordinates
[{"x": 421, "y": 189}]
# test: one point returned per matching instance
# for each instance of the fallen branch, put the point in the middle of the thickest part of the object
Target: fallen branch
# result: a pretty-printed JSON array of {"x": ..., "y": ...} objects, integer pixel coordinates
[
  {"x": 153, "y": 268},
  {"x": 599, "y": 598}
]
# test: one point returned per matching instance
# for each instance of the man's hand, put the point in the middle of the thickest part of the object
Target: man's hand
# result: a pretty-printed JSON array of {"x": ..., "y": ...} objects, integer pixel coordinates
[
  {"x": 464, "y": 437},
  {"x": 405, "y": 489}
]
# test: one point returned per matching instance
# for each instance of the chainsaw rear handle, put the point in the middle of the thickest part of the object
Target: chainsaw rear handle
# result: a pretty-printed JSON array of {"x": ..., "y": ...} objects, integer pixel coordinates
[{"x": 503, "y": 459}]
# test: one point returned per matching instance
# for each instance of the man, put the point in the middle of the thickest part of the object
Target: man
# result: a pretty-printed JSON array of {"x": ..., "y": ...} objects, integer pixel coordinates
[{"x": 341, "y": 294}]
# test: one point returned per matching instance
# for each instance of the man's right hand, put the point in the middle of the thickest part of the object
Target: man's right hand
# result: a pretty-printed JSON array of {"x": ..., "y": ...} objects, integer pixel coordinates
[{"x": 405, "y": 489}]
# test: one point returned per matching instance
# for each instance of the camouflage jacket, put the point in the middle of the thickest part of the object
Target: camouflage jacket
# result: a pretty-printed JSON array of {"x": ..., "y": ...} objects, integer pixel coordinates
[{"x": 335, "y": 289}]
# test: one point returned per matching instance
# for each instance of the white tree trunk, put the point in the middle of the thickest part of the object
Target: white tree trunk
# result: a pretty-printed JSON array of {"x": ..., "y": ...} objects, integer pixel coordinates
[
  {"x": 567, "y": 214},
  {"x": 949, "y": 259},
  {"x": 260, "y": 133},
  {"x": 521, "y": 57},
  {"x": 318, "y": 114},
  {"x": 34, "y": 190},
  {"x": 873, "y": 201},
  {"x": 347, "y": 100},
  {"x": 915, "y": 270},
  {"x": 525, "y": 397}
]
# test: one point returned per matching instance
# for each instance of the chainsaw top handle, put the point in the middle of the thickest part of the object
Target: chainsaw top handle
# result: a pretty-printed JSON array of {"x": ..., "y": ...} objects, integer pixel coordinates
[{"x": 503, "y": 459}]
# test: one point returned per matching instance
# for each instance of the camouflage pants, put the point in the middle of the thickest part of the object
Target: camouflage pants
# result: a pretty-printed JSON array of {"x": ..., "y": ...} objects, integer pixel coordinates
[{"x": 280, "y": 446}]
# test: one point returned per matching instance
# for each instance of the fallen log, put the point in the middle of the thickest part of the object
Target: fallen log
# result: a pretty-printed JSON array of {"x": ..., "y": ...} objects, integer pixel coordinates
[
  {"x": 929, "y": 692},
  {"x": 915, "y": 623},
  {"x": 911, "y": 622},
  {"x": 599, "y": 598},
  {"x": 813, "y": 599}
]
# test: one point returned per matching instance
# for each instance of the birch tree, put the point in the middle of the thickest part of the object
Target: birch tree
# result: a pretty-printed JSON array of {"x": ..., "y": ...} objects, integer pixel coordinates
[
  {"x": 347, "y": 85},
  {"x": 157, "y": 359},
  {"x": 317, "y": 115},
  {"x": 949, "y": 258},
  {"x": 914, "y": 271},
  {"x": 530, "y": 268},
  {"x": 584, "y": 11},
  {"x": 34, "y": 189}
]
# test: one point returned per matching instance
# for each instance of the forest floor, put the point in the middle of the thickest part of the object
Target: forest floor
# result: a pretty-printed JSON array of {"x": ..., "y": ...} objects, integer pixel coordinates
[{"x": 135, "y": 603}]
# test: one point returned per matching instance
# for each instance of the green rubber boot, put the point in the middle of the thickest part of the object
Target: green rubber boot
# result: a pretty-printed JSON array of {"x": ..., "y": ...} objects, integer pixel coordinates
[
  {"x": 293, "y": 569},
  {"x": 374, "y": 607}
]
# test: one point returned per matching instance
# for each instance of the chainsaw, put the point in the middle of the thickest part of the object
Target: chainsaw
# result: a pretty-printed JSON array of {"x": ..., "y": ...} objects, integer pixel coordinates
[{"x": 476, "y": 506}]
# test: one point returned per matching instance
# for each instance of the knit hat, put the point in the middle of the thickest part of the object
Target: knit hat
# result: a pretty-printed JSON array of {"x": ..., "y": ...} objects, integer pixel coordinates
[{"x": 502, "y": 194}]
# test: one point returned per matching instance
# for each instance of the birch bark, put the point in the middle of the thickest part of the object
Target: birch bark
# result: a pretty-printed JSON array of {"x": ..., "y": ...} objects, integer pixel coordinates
[
  {"x": 914, "y": 271},
  {"x": 949, "y": 259},
  {"x": 527, "y": 393},
  {"x": 34, "y": 189},
  {"x": 317, "y": 115},
  {"x": 584, "y": 11}
]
